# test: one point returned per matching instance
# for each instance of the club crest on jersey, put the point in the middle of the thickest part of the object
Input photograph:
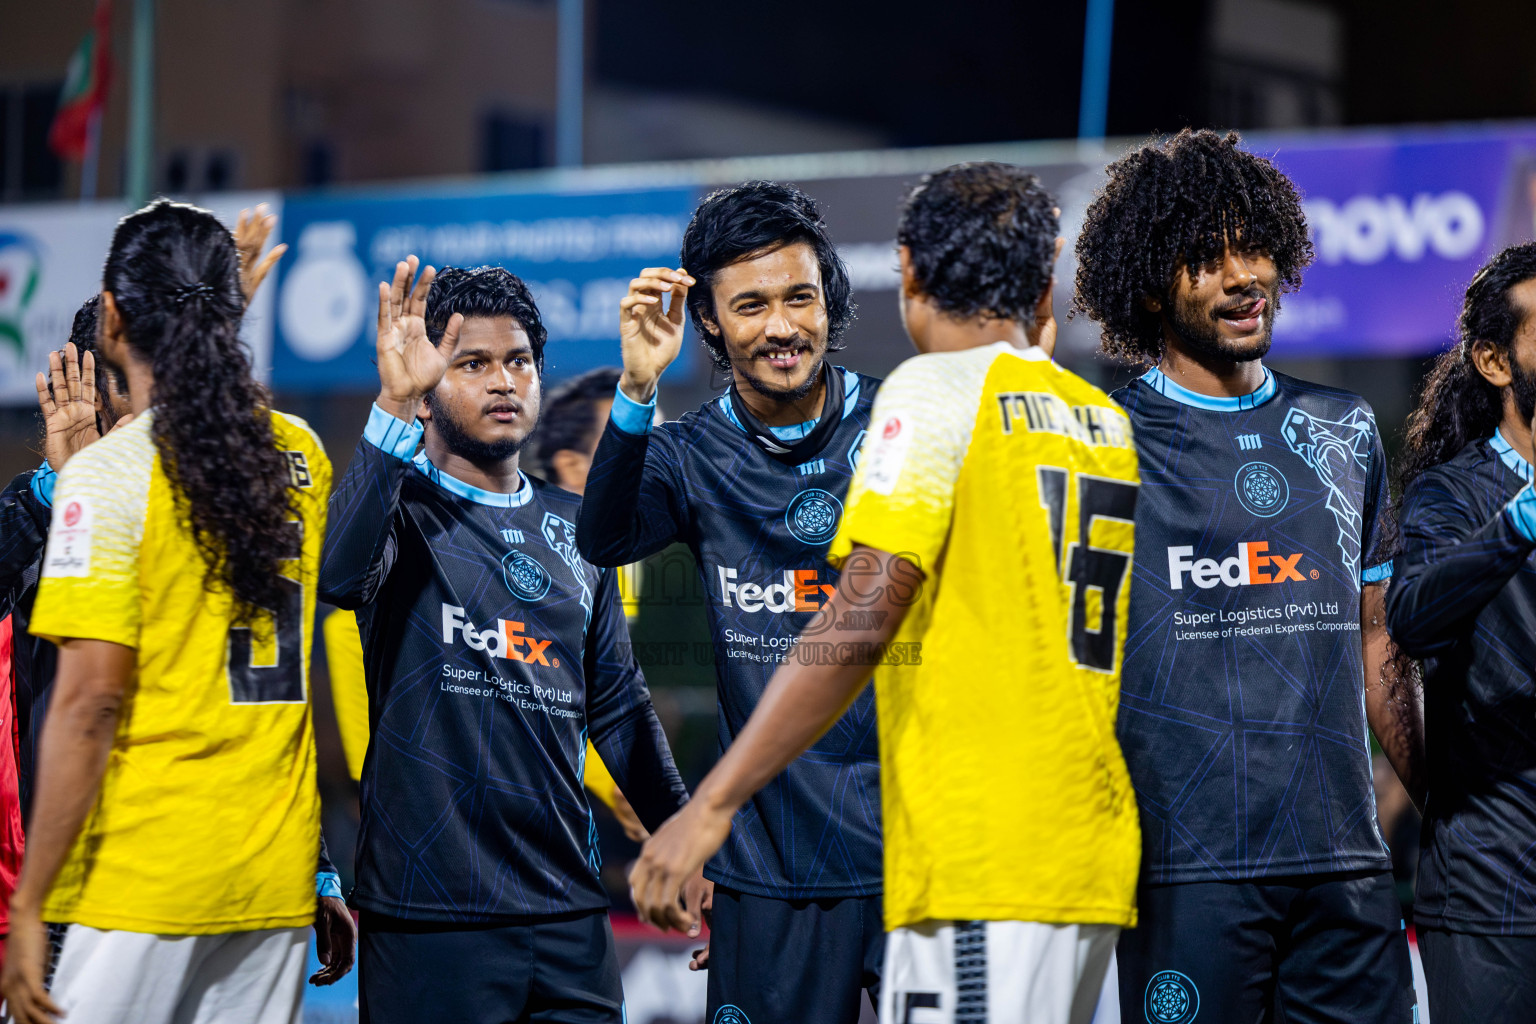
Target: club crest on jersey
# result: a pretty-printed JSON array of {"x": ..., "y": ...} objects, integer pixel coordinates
[
  {"x": 813, "y": 516},
  {"x": 1171, "y": 999},
  {"x": 1252, "y": 565},
  {"x": 1262, "y": 489},
  {"x": 729, "y": 1014},
  {"x": 526, "y": 578}
]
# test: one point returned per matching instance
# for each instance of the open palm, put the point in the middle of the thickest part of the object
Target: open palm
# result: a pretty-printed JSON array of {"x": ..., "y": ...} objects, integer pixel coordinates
[
  {"x": 410, "y": 366},
  {"x": 69, "y": 401}
]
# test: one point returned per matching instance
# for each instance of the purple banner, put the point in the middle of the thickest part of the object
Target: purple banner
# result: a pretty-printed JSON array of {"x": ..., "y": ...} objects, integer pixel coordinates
[{"x": 1400, "y": 221}]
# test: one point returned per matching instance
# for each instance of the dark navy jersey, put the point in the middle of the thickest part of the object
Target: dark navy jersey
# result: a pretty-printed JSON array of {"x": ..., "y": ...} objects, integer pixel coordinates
[
  {"x": 759, "y": 529},
  {"x": 1464, "y": 600},
  {"x": 1242, "y": 709},
  {"x": 492, "y": 652},
  {"x": 26, "y": 507}
]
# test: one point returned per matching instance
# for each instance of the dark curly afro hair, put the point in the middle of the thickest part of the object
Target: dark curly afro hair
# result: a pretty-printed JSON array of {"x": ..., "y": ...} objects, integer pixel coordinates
[{"x": 1178, "y": 203}]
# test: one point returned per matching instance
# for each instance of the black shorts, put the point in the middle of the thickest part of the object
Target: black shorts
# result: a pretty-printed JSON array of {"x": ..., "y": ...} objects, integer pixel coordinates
[
  {"x": 802, "y": 961},
  {"x": 1301, "y": 950},
  {"x": 1479, "y": 979},
  {"x": 561, "y": 968}
]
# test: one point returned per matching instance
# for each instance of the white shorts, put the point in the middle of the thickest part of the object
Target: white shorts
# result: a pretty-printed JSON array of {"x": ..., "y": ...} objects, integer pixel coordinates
[
  {"x": 1000, "y": 972},
  {"x": 105, "y": 977}
]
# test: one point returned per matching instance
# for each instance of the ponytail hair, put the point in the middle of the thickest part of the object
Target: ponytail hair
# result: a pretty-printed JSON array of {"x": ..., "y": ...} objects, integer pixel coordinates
[
  {"x": 1457, "y": 404},
  {"x": 174, "y": 275}
]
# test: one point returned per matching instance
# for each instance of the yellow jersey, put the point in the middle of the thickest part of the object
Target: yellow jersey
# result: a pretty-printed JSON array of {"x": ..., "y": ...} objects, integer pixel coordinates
[
  {"x": 208, "y": 818},
  {"x": 1011, "y": 484}
]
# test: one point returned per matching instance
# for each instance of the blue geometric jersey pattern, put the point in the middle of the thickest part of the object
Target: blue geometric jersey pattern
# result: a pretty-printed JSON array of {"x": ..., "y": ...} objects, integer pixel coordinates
[
  {"x": 492, "y": 651},
  {"x": 1242, "y": 710},
  {"x": 759, "y": 529},
  {"x": 1464, "y": 600}
]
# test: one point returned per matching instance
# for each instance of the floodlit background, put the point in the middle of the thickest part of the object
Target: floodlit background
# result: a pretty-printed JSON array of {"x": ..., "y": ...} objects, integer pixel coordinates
[{"x": 570, "y": 139}]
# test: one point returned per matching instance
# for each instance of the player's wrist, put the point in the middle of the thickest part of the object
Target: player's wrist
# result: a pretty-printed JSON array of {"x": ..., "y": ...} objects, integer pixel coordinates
[
  {"x": 638, "y": 387},
  {"x": 713, "y": 800},
  {"x": 403, "y": 409}
]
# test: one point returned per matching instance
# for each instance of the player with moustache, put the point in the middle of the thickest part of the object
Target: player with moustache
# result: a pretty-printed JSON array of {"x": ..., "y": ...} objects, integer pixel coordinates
[
  {"x": 753, "y": 482},
  {"x": 1257, "y": 662},
  {"x": 985, "y": 553},
  {"x": 492, "y": 652},
  {"x": 1464, "y": 600}
]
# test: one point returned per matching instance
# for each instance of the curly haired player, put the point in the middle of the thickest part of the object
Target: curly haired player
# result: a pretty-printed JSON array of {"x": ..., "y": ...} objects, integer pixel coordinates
[
  {"x": 1463, "y": 601},
  {"x": 1256, "y": 650}
]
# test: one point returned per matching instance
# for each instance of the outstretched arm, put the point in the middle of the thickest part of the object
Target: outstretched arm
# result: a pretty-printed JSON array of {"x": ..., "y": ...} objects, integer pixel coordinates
[
  {"x": 77, "y": 739},
  {"x": 360, "y": 544},
  {"x": 803, "y": 700}
]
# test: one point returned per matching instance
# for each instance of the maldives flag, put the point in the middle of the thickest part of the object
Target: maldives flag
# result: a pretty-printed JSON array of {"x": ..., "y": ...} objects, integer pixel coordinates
[{"x": 85, "y": 87}]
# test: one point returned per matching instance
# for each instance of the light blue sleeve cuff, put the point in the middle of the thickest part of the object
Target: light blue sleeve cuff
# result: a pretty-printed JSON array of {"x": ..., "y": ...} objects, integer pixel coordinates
[
  {"x": 1377, "y": 573},
  {"x": 392, "y": 436},
  {"x": 328, "y": 883},
  {"x": 630, "y": 416},
  {"x": 1522, "y": 513},
  {"x": 42, "y": 484}
]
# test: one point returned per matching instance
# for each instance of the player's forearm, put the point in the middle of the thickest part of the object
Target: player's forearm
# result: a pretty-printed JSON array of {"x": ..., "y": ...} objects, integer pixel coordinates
[
  {"x": 624, "y": 516},
  {"x": 1394, "y": 698},
  {"x": 636, "y": 753},
  {"x": 23, "y": 530},
  {"x": 76, "y": 743},
  {"x": 806, "y": 696},
  {"x": 361, "y": 510},
  {"x": 1441, "y": 585}
]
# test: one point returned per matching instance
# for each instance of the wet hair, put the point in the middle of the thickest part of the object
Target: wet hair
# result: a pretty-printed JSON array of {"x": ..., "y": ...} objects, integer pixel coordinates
[
  {"x": 748, "y": 220},
  {"x": 174, "y": 275},
  {"x": 1179, "y": 202},
  {"x": 983, "y": 240},
  {"x": 569, "y": 420},
  {"x": 1457, "y": 404},
  {"x": 484, "y": 292}
]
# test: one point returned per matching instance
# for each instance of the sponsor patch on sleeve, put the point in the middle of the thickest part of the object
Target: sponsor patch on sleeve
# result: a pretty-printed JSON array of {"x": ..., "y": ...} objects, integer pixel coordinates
[
  {"x": 69, "y": 541},
  {"x": 888, "y": 452}
]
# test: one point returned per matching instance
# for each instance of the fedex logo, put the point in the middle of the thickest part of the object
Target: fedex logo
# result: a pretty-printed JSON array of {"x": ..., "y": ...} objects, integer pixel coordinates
[
  {"x": 798, "y": 591},
  {"x": 1251, "y": 565},
  {"x": 505, "y": 640}
]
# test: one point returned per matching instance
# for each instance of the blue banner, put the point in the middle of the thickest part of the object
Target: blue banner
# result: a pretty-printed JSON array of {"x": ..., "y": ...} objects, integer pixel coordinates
[{"x": 577, "y": 252}]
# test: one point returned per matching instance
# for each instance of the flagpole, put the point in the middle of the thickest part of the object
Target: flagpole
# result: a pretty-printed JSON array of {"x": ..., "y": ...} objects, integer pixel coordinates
[
  {"x": 141, "y": 109},
  {"x": 88, "y": 166}
]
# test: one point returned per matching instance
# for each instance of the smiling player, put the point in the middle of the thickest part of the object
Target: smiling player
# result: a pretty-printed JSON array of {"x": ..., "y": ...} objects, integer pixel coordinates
[
  {"x": 1257, "y": 648},
  {"x": 753, "y": 483}
]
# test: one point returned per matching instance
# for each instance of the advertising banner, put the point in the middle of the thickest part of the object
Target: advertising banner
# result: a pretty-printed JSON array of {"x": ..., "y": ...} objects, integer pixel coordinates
[
  {"x": 1400, "y": 222},
  {"x": 576, "y": 252},
  {"x": 50, "y": 262}
]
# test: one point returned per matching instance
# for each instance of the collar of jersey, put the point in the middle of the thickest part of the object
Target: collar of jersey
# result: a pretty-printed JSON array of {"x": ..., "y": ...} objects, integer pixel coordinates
[
  {"x": 454, "y": 485},
  {"x": 1157, "y": 381},
  {"x": 795, "y": 431},
  {"x": 1513, "y": 459}
]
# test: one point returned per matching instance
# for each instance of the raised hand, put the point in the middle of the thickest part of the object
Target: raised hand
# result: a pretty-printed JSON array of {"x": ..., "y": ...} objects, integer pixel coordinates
[
  {"x": 251, "y": 233},
  {"x": 410, "y": 366},
  {"x": 70, "y": 406},
  {"x": 650, "y": 336}
]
